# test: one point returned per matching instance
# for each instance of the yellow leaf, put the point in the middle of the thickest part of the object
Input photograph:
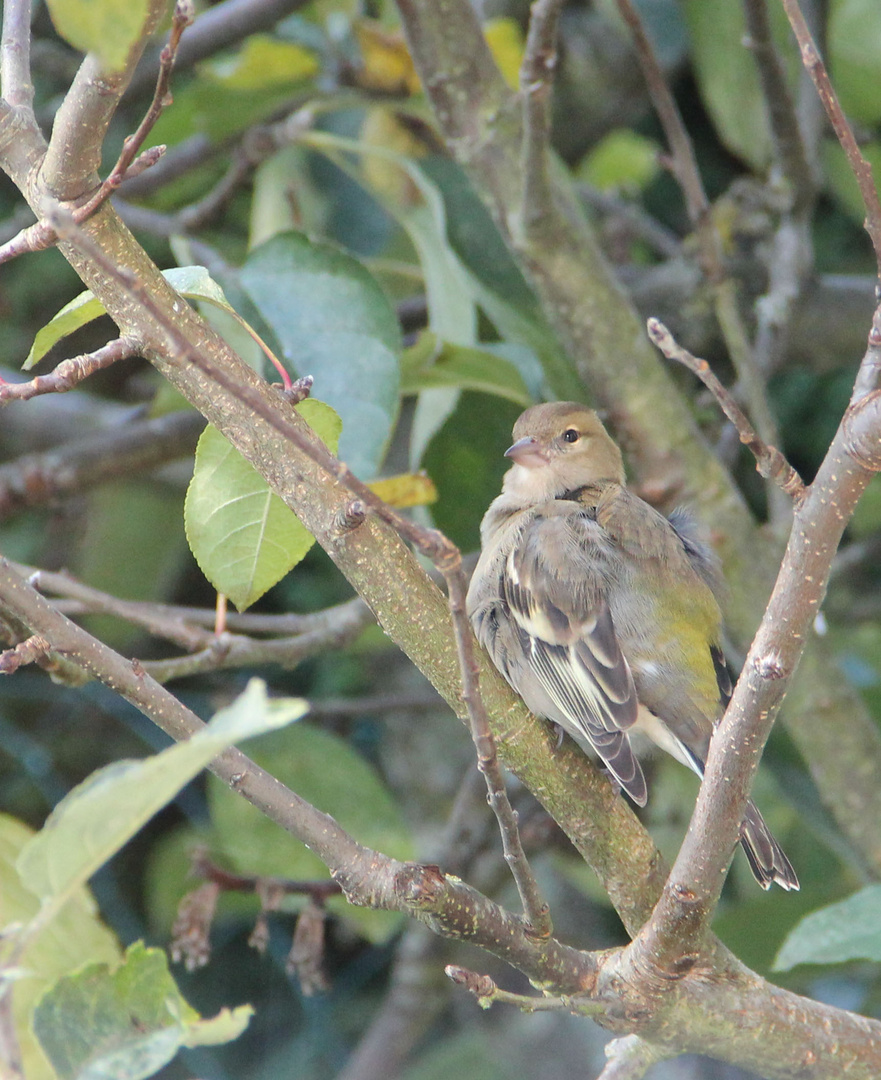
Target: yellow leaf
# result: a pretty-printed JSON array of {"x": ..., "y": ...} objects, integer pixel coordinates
[
  {"x": 383, "y": 127},
  {"x": 405, "y": 489},
  {"x": 505, "y": 40},
  {"x": 386, "y": 65}
]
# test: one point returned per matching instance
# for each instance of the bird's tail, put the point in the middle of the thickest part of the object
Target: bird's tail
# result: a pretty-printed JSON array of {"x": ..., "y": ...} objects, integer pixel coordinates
[{"x": 766, "y": 857}]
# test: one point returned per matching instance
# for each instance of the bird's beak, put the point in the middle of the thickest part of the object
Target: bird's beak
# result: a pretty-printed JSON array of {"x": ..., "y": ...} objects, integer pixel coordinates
[{"x": 529, "y": 453}]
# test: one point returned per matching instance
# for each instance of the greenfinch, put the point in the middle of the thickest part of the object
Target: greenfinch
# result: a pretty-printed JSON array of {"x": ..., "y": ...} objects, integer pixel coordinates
[{"x": 601, "y": 613}]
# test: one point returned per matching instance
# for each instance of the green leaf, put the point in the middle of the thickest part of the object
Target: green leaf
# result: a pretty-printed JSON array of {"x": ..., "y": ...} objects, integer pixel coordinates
[
  {"x": 854, "y": 44},
  {"x": 76, "y": 936},
  {"x": 333, "y": 321},
  {"x": 106, "y": 28},
  {"x": 848, "y": 930},
  {"x": 452, "y": 312},
  {"x": 94, "y": 820},
  {"x": 431, "y": 363},
  {"x": 244, "y": 538},
  {"x": 727, "y": 76},
  {"x": 124, "y": 1023},
  {"x": 262, "y": 62},
  {"x": 323, "y": 769},
  {"x": 193, "y": 282},
  {"x": 622, "y": 159}
]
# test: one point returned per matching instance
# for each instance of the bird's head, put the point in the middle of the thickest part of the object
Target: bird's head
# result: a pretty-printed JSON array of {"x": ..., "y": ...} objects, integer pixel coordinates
[{"x": 559, "y": 447}]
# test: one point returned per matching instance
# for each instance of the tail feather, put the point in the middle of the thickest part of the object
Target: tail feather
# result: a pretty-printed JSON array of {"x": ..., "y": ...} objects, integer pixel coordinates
[{"x": 766, "y": 857}]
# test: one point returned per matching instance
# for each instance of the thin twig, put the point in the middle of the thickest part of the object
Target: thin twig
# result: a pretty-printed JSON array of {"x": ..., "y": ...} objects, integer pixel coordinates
[
  {"x": 536, "y": 84},
  {"x": 69, "y": 373},
  {"x": 171, "y": 621},
  {"x": 205, "y": 867},
  {"x": 861, "y": 169},
  {"x": 769, "y": 460},
  {"x": 429, "y": 542},
  {"x": 684, "y": 162},
  {"x": 36, "y": 237},
  {"x": 29, "y": 651},
  {"x": 635, "y": 219},
  {"x": 789, "y": 145},
  {"x": 184, "y": 14},
  {"x": 488, "y": 993},
  {"x": 228, "y": 651},
  {"x": 83, "y": 463}
]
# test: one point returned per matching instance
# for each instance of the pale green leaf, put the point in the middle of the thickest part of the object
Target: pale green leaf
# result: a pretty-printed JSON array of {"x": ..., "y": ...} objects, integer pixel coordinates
[
  {"x": 848, "y": 930},
  {"x": 431, "y": 363},
  {"x": 106, "y": 28},
  {"x": 244, "y": 538},
  {"x": 124, "y": 1023},
  {"x": 193, "y": 282},
  {"x": 76, "y": 936},
  {"x": 100, "y": 815}
]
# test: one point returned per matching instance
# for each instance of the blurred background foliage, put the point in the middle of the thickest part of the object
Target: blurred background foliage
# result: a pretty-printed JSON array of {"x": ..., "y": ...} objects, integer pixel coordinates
[{"x": 312, "y": 136}]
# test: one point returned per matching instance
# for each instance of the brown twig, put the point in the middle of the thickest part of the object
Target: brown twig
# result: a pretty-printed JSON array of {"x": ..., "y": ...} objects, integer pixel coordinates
[
  {"x": 683, "y": 160},
  {"x": 789, "y": 145},
  {"x": 429, "y": 542},
  {"x": 36, "y": 237},
  {"x": 175, "y": 623},
  {"x": 770, "y": 462},
  {"x": 228, "y": 651},
  {"x": 184, "y": 14},
  {"x": 861, "y": 169},
  {"x": 29, "y": 651},
  {"x": 536, "y": 84},
  {"x": 69, "y": 373},
  {"x": 204, "y": 867}
]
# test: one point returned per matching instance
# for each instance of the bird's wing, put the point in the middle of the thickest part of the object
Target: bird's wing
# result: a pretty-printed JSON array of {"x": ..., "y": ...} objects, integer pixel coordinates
[{"x": 568, "y": 642}]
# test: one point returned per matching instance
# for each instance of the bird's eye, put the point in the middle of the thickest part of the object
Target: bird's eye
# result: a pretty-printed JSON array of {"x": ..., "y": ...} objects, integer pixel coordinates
[{"x": 570, "y": 435}]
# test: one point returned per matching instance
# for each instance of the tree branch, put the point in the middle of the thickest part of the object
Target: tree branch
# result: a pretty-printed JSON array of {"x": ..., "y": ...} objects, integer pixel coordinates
[
  {"x": 69, "y": 373},
  {"x": 770, "y": 462},
  {"x": 15, "y": 56},
  {"x": 84, "y": 463}
]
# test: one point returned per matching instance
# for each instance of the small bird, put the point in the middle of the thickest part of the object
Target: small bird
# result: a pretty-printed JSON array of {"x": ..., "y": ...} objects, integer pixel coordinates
[{"x": 601, "y": 613}]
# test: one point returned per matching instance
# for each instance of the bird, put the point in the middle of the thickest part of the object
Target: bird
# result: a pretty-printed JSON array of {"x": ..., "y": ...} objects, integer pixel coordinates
[{"x": 602, "y": 613}]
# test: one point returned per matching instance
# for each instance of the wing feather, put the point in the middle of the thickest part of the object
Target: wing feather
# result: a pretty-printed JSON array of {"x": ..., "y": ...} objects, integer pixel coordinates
[{"x": 571, "y": 649}]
